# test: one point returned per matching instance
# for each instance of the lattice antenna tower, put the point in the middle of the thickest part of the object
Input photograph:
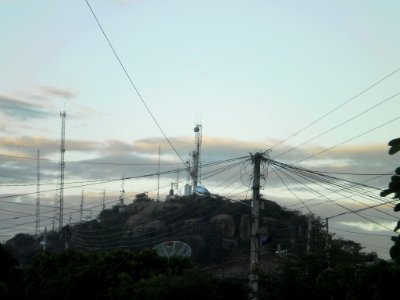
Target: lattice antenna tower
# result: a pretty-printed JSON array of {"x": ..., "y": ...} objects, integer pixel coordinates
[
  {"x": 81, "y": 207},
  {"x": 37, "y": 229},
  {"x": 196, "y": 156},
  {"x": 63, "y": 115},
  {"x": 122, "y": 194},
  {"x": 104, "y": 200},
  {"x": 158, "y": 174}
]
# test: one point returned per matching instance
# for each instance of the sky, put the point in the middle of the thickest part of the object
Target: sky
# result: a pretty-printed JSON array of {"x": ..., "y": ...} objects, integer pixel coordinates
[{"x": 315, "y": 82}]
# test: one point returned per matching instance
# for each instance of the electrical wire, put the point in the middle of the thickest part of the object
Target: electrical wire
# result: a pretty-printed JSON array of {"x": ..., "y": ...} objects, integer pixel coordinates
[
  {"x": 132, "y": 83},
  {"x": 348, "y": 140},
  {"x": 335, "y": 202},
  {"x": 338, "y": 125},
  {"x": 338, "y": 107}
]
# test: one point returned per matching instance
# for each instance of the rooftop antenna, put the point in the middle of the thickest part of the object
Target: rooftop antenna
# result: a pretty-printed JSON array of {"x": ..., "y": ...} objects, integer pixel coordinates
[
  {"x": 37, "y": 230},
  {"x": 196, "y": 173}
]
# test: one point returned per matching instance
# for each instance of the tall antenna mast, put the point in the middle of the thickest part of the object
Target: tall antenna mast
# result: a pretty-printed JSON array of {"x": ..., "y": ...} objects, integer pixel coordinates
[
  {"x": 122, "y": 195},
  {"x": 81, "y": 210},
  {"x": 196, "y": 173},
  {"x": 104, "y": 199},
  {"x": 158, "y": 174},
  {"x": 38, "y": 193},
  {"x": 63, "y": 115},
  {"x": 177, "y": 181}
]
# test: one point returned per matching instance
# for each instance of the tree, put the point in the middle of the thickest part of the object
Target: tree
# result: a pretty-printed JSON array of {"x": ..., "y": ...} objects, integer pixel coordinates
[
  {"x": 394, "y": 187},
  {"x": 95, "y": 275},
  {"x": 10, "y": 275}
]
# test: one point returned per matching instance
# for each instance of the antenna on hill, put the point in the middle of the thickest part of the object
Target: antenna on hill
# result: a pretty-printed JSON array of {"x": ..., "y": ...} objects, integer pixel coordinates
[
  {"x": 196, "y": 172},
  {"x": 158, "y": 174},
  {"x": 37, "y": 229},
  {"x": 81, "y": 207},
  {"x": 173, "y": 248},
  {"x": 104, "y": 199},
  {"x": 122, "y": 195},
  {"x": 59, "y": 203}
]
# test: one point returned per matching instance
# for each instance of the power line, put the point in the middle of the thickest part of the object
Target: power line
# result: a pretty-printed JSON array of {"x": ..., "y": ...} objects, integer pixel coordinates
[
  {"x": 339, "y": 106},
  {"x": 324, "y": 196},
  {"x": 362, "y": 233},
  {"x": 338, "y": 125},
  {"x": 132, "y": 84},
  {"x": 86, "y": 162},
  {"x": 346, "y": 141}
]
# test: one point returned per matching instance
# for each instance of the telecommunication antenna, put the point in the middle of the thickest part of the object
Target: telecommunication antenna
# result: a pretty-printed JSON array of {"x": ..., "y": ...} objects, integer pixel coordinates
[
  {"x": 177, "y": 181},
  {"x": 173, "y": 248},
  {"x": 37, "y": 229},
  {"x": 158, "y": 174},
  {"x": 196, "y": 172},
  {"x": 59, "y": 203},
  {"x": 104, "y": 199},
  {"x": 122, "y": 195},
  {"x": 43, "y": 243},
  {"x": 81, "y": 207}
]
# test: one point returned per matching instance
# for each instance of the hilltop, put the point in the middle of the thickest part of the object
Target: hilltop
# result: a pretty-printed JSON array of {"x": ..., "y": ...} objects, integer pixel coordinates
[{"x": 216, "y": 229}]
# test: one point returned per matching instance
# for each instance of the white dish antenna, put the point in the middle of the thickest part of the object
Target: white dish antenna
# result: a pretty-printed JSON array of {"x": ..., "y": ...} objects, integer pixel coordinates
[
  {"x": 173, "y": 248},
  {"x": 201, "y": 191}
]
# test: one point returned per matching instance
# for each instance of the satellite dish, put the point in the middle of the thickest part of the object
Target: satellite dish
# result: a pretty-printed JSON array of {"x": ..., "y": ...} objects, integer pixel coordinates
[
  {"x": 173, "y": 248},
  {"x": 201, "y": 191}
]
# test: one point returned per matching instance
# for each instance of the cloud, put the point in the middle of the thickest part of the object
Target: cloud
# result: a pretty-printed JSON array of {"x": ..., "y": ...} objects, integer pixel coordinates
[
  {"x": 90, "y": 159},
  {"x": 41, "y": 102},
  {"x": 370, "y": 226},
  {"x": 20, "y": 109},
  {"x": 51, "y": 91}
]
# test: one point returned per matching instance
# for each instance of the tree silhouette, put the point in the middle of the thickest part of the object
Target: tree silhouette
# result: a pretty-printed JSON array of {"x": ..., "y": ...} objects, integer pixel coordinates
[{"x": 394, "y": 187}]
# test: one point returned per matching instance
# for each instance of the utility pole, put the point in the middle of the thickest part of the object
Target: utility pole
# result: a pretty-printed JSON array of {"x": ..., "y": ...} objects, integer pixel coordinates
[{"x": 255, "y": 226}]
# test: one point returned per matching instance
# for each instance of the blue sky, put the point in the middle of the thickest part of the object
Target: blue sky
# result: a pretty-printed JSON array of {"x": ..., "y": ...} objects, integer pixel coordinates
[{"x": 252, "y": 72}]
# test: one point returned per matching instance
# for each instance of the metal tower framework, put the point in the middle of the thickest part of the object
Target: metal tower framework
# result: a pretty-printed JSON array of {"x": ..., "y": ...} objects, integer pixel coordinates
[
  {"x": 63, "y": 115},
  {"x": 196, "y": 156},
  {"x": 37, "y": 230}
]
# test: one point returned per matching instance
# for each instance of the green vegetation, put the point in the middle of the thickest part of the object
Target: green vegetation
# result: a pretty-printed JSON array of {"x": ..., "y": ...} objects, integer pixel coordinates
[
  {"x": 217, "y": 230},
  {"x": 394, "y": 187}
]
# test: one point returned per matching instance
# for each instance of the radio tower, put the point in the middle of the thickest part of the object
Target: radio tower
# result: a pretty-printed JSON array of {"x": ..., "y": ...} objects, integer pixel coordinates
[
  {"x": 196, "y": 172},
  {"x": 81, "y": 208},
  {"x": 38, "y": 194},
  {"x": 122, "y": 196},
  {"x": 60, "y": 199}
]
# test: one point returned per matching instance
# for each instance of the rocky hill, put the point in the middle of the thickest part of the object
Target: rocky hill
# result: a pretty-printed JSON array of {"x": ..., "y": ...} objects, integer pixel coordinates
[{"x": 216, "y": 229}]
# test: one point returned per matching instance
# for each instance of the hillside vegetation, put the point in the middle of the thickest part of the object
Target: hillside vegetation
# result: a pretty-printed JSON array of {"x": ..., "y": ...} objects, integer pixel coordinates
[{"x": 111, "y": 257}]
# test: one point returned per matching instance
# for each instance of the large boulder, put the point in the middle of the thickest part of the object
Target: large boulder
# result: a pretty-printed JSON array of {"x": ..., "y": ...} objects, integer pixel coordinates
[
  {"x": 224, "y": 224},
  {"x": 244, "y": 227}
]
